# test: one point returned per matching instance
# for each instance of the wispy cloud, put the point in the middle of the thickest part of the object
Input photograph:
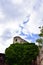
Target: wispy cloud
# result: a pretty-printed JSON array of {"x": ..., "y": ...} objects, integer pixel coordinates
[{"x": 19, "y": 17}]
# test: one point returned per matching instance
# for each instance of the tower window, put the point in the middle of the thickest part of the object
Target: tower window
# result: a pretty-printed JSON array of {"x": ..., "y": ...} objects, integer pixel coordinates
[{"x": 15, "y": 39}]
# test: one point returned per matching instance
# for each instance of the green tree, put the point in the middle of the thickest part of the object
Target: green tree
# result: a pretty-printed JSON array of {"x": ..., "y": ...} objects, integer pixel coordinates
[
  {"x": 21, "y": 54},
  {"x": 40, "y": 40}
]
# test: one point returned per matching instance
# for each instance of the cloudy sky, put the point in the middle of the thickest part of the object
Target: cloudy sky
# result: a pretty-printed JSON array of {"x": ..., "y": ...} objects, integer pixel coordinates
[{"x": 19, "y": 18}]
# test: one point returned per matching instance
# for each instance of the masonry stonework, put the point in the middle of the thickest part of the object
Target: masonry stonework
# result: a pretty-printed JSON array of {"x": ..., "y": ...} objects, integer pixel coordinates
[{"x": 18, "y": 39}]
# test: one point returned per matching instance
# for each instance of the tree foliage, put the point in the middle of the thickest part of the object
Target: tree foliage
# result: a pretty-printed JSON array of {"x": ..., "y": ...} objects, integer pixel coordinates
[
  {"x": 21, "y": 54},
  {"x": 41, "y": 31},
  {"x": 40, "y": 40}
]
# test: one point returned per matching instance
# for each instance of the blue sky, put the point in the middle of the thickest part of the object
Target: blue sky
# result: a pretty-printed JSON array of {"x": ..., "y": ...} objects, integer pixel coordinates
[{"x": 19, "y": 18}]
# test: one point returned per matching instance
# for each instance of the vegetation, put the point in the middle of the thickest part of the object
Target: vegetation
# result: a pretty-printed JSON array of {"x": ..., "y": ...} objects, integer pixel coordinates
[
  {"x": 21, "y": 54},
  {"x": 40, "y": 40}
]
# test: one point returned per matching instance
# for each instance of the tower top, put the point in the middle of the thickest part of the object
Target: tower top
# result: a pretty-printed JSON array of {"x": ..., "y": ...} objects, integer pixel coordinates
[{"x": 18, "y": 39}]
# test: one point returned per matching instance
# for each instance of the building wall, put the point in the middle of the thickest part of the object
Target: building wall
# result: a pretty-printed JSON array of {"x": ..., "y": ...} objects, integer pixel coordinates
[
  {"x": 40, "y": 57},
  {"x": 19, "y": 40},
  {"x": 2, "y": 59}
]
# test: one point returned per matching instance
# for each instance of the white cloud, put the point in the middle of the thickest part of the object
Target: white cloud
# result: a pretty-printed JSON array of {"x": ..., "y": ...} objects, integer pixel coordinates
[
  {"x": 14, "y": 12},
  {"x": 2, "y": 28},
  {"x": 2, "y": 15},
  {"x": 16, "y": 1},
  {"x": 4, "y": 45},
  {"x": 34, "y": 23},
  {"x": 2, "y": 48},
  {"x": 13, "y": 25}
]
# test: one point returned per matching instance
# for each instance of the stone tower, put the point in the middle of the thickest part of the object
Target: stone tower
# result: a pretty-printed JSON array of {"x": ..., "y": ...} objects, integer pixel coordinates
[{"x": 18, "y": 39}]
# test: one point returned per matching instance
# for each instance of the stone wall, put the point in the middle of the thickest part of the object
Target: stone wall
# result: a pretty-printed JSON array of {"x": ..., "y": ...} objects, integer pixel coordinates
[
  {"x": 40, "y": 57},
  {"x": 2, "y": 59},
  {"x": 19, "y": 40}
]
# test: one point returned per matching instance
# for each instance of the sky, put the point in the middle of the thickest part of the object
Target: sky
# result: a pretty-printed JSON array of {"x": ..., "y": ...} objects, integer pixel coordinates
[{"x": 19, "y": 18}]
